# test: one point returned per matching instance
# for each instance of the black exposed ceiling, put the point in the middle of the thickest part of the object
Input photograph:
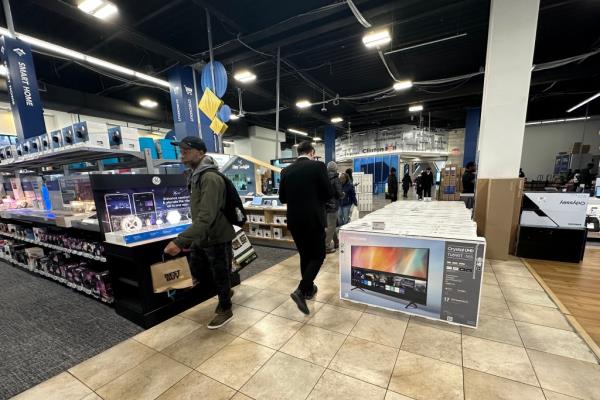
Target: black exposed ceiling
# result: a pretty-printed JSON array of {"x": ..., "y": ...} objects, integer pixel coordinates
[{"x": 321, "y": 44}]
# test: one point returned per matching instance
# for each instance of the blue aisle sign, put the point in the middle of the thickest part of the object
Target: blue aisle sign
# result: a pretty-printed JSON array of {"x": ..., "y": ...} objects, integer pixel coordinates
[
  {"x": 184, "y": 104},
  {"x": 25, "y": 102}
]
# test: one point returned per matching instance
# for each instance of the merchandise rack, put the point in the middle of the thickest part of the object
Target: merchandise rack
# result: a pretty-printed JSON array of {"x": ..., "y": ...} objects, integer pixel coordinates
[
  {"x": 268, "y": 214},
  {"x": 54, "y": 247}
]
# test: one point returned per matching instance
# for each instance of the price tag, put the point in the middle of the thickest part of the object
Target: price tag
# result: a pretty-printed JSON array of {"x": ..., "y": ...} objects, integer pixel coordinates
[{"x": 378, "y": 225}]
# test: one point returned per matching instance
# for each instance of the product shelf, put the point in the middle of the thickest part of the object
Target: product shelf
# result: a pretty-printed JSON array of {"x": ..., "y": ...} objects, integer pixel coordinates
[{"x": 55, "y": 247}]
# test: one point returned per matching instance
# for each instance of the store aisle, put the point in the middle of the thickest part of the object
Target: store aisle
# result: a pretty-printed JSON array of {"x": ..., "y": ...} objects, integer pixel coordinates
[{"x": 524, "y": 348}]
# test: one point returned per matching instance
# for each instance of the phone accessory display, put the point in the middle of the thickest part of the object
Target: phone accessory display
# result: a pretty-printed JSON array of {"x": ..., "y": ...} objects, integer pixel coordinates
[{"x": 131, "y": 223}]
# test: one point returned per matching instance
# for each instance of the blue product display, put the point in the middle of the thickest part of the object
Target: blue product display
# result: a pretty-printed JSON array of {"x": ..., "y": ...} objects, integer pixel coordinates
[{"x": 148, "y": 143}]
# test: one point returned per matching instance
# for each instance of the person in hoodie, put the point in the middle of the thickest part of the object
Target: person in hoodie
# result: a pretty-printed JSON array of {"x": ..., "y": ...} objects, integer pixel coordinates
[
  {"x": 209, "y": 237},
  {"x": 348, "y": 201},
  {"x": 333, "y": 206}
]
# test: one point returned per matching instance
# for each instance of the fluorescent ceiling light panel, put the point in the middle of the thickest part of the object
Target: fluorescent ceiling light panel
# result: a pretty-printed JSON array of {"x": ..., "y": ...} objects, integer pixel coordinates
[
  {"x": 106, "y": 11},
  {"x": 148, "y": 103},
  {"x": 336, "y": 120},
  {"x": 377, "y": 39},
  {"x": 401, "y": 85},
  {"x": 303, "y": 103},
  {"x": 53, "y": 48},
  {"x": 109, "y": 65},
  {"x": 244, "y": 76},
  {"x": 416, "y": 108},
  {"x": 152, "y": 79},
  {"x": 317, "y": 139},
  {"x": 584, "y": 102},
  {"x": 89, "y": 6},
  {"x": 297, "y": 132}
]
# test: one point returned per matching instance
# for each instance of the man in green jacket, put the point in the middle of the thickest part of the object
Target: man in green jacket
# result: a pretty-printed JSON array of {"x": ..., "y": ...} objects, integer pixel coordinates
[{"x": 209, "y": 237}]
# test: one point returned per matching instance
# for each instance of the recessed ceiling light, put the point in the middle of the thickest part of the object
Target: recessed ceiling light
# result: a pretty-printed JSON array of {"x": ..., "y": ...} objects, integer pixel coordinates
[
  {"x": 416, "y": 108},
  {"x": 148, "y": 103},
  {"x": 297, "y": 132},
  {"x": 234, "y": 117},
  {"x": 317, "y": 139},
  {"x": 100, "y": 9},
  {"x": 377, "y": 38},
  {"x": 336, "y": 120},
  {"x": 401, "y": 85},
  {"x": 244, "y": 76},
  {"x": 303, "y": 103}
]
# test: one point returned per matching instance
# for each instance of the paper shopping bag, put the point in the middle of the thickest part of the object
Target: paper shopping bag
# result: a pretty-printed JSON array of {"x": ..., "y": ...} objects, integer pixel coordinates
[{"x": 171, "y": 274}]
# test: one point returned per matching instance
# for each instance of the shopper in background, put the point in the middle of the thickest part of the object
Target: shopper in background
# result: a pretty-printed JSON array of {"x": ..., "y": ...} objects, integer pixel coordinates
[
  {"x": 349, "y": 173},
  {"x": 347, "y": 201},
  {"x": 333, "y": 206},
  {"x": 587, "y": 176},
  {"x": 392, "y": 185},
  {"x": 427, "y": 182},
  {"x": 406, "y": 184},
  {"x": 521, "y": 173},
  {"x": 419, "y": 186},
  {"x": 469, "y": 177},
  {"x": 305, "y": 188},
  {"x": 209, "y": 237}
]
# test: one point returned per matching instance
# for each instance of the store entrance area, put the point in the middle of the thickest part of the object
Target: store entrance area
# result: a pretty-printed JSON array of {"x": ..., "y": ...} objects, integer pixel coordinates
[{"x": 524, "y": 348}]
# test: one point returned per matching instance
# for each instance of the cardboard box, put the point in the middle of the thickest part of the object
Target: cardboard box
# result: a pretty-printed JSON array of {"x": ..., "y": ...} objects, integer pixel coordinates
[{"x": 576, "y": 148}]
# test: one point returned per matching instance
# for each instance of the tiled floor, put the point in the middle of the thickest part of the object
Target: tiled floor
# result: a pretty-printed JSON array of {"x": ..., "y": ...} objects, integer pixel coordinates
[{"x": 524, "y": 348}]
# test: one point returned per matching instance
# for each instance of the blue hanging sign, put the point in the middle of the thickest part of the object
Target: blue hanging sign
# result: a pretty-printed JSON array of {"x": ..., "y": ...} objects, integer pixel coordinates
[
  {"x": 25, "y": 102},
  {"x": 220, "y": 78}
]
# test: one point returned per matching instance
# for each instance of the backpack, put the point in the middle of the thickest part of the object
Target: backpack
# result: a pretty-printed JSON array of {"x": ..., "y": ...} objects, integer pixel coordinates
[{"x": 233, "y": 209}]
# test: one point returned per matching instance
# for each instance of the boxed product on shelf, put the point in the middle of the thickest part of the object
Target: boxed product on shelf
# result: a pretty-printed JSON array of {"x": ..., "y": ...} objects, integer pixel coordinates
[
  {"x": 32, "y": 255},
  {"x": 254, "y": 230},
  {"x": 103, "y": 288},
  {"x": 89, "y": 133},
  {"x": 267, "y": 233},
  {"x": 148, "y": 143},
  {"x": 124, "y": 138},
  {"x": 260, "y": 232},
  {"x": 277, "y": 233},
  {"x": 38, "y": 233}
]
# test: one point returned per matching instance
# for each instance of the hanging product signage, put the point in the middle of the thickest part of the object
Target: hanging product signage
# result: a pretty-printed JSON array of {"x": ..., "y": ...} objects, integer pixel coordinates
[
  {"x": 23, "y": 92},
  {"x": 183, "y": 102}
]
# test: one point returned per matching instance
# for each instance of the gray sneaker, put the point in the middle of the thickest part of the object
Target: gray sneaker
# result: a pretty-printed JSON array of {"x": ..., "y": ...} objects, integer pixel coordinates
[
  {"x": 220, "y": 319},
  {"x": 219, "y": 309}
]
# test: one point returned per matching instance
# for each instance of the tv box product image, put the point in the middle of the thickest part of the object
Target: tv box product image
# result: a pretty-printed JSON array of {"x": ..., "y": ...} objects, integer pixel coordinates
[
  {"x": 56, "y": 139},
  {"x": 67, "y": 136},
  {"x": 34, "y": 145},
  {"x": 8, "y": 153},
  {"x": 148, "y": 143},
  {"x": 45, "y": 142},
  {"x": 93, "y": 134},
  {"x": 124, "y": 138}
]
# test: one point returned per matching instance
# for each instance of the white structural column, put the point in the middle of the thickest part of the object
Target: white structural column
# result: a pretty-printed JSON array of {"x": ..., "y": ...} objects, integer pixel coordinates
[{"x": 511, "y": 42}]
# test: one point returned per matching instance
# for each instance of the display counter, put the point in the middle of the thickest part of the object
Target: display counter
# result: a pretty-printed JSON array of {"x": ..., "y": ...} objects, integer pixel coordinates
[{"x": 267, "y": 222}]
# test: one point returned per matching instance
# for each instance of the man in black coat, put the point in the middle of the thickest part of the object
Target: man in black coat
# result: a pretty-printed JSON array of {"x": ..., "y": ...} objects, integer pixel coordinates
[
  {"x": 427, "y": 182},
  {"x": 305, "y": 188},
  {"x": 392, "y": 183}
]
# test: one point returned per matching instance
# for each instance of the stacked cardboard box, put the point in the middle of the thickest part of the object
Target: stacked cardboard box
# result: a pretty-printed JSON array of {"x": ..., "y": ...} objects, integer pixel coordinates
[
  {"x": 451, "y": 183},
  {"x": 363, "y": 184}
]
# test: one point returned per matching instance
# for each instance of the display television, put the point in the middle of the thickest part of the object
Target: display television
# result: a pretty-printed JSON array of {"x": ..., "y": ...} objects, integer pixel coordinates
[{"x": 399, "y": 272}]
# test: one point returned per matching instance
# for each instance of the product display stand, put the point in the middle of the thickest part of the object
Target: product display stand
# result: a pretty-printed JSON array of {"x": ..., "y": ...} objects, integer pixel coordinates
[{"x": 267, "y": 222}]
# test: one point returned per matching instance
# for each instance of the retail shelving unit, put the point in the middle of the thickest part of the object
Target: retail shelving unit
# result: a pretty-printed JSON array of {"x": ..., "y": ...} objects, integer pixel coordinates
[{"x": 267, "y": 224}]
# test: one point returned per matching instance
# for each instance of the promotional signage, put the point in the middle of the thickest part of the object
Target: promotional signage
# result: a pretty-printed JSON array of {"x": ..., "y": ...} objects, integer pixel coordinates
[
  {"x": 433, "y": 278},
  {"x": 241, "y": 172},
  {"x": 554, "y": 210},
  {"x": 25, "y": 102},
  {"x": 185, "y": 94}
]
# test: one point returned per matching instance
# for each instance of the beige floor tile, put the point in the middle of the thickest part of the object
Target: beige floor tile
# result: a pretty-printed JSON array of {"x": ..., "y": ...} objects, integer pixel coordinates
[
  {"x": 243, "y": 292},
  {"x": 512, "y": 269},
  {"x": 332, "y": 268},
  {"x": 240, "y": 396},
  {"x": 479, "y": 385},
  {"x": 146, "y": 381},
  {"x": 494, "y": 328},
  {"x": 261, "y": 280},
  {"x": 243, "y": 318},
  {"x": 290, "y": 310},
  {"x": 491, "y": 291},
  {"x": 424, "y": 378},
  {"x": 395, "y": 396},
  {"x": 434, "y": 343},
  {"x": 167, "y": 333},
  {"x": 557, "y": 396},
  {"x": 272, "y": 331},
  {"x": 327, "y": 278},
  {"x": 103, "y": 368},
  {"x": 515, "y": 281},
  {"x": 414, "y": 320},
  {"x": 266, "y": 301},
  {"x": 61, "y": 387},
  {"x": 314, "y": 344},
  {"x": 335, "y": 319},
  {"x": 382, "y": 312},
  {"x": 92, "y": 396},
  {"x": 235, "y": 363},
  {"x": 555, "y": 341},
  {"x": 327, "y": 291},
  {"x": 528, "y": 296},
  {"x": 202, "y": 313},
  {"x": 494, "y": 307},
  {"x": 198, "y": 346},
  {"x": 197, "y": 386},
  {"x": 499, "y": 359},
  {"x": 334, "y": 386},
  {"x": 539, "y": 315},
  {"x": 565, "y": 375},
  {"x": 283, "y": 377},
  {"x": 386, "y": 331},
  {"x": 286, "y": 270},
  {"x": 490, "y": 279},
  {"x": 285, "y": 285},
  {"x": 365, "y": 360},
  {"x": 336, "y": 301}
]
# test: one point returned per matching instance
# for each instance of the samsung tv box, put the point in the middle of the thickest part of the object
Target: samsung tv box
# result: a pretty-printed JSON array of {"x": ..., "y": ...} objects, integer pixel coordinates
[
  {"x": 67, "y": 136},
  {"x": 90, "y": 134},
  {"x": 56, "y": 139},
  {"x": 123, "y": 138}
]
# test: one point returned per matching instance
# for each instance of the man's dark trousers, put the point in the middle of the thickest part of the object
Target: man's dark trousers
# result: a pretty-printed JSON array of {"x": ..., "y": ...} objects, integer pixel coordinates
[
  {"x": 311, "y": 247},
  {"x": 214, "y": 262}
]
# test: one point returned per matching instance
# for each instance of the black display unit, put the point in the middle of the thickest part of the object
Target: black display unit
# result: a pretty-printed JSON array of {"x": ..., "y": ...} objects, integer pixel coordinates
[
  {"x": 129, "y": 263},
  {"x": 566, "y": 245}
]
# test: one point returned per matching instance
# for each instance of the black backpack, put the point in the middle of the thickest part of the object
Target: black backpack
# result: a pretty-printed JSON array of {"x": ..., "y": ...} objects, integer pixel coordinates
[{"x": 234, "y": 208}]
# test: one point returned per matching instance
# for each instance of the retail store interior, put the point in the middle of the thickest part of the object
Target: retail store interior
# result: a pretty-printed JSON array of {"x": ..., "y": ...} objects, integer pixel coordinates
[{"x": 318, "y": 199}]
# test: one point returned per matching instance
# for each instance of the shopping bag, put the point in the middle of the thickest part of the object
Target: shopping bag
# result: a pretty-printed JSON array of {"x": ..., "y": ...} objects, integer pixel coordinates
[
  {"x": 243, "y": 252},
  {"x": 354, "y": 214},
  {"x": 171, "y": 274}
]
